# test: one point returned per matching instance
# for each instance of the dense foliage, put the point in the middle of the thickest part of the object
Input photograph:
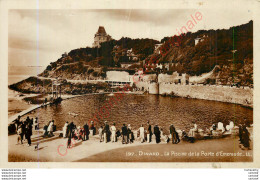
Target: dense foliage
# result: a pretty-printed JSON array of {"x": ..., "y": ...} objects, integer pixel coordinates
[
  {"x": 230, "y": 49},
  {"x": 216, "y": 48}
]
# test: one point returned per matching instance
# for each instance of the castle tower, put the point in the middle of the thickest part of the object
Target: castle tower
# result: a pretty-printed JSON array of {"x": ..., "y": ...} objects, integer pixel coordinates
[{"x": 101, "y": 36}]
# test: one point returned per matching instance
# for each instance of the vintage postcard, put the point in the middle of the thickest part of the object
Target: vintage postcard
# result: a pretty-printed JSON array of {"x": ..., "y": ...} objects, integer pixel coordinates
[{"x": 98, "y": 83}]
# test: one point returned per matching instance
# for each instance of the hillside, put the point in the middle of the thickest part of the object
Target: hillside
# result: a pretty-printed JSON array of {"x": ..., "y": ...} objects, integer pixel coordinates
[
  {"x": 231, "y": 50},
  {"x": 215, "y": 47},
  {"x": 197, "y": 54},
  {"x": 92, "y": 63}
]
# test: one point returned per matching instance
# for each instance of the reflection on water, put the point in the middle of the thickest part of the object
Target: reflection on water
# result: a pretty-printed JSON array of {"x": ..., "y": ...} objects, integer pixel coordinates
[{"x": 138, "y": 109}]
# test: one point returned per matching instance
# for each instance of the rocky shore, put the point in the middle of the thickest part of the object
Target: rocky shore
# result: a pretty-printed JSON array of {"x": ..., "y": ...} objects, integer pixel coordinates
[{"x": 38, "y": 85}]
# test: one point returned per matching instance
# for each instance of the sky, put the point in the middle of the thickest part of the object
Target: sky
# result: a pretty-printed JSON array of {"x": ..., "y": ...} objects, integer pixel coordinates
[{"x": 38, "y": 37}]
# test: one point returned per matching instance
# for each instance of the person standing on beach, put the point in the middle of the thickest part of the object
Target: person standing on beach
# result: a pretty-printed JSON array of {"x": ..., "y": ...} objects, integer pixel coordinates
[
  {"x": 124, "y": 134},
  {"x": 157, "y": 134},
  {"x": 149, "y": 132},
  {"x": 141, "y": 129},
  {"x": 113, "y": 130}
]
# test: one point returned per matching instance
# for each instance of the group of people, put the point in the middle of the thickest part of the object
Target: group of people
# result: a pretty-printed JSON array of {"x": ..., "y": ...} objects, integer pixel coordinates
[
  {"x": 71, "y": 131},
  {"x": 145, "y": 134},
  {"x": 111, "y": 133},
  {"x": 24, "y": 129},
  {"x": 49, "y": 128},
  {"x": 107, "y": 133}
]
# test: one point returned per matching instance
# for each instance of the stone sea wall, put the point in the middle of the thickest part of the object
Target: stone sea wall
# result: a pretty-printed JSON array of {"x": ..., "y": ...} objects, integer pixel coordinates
[{"x": 243, "y": 96}]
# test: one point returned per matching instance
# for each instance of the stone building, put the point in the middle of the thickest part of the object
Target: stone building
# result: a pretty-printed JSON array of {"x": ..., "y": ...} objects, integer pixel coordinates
[{"x": 101, "y": 36}]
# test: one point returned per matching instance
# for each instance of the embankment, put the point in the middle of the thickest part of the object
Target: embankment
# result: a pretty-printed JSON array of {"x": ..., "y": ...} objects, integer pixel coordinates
[{"x": 243, "y": 96}]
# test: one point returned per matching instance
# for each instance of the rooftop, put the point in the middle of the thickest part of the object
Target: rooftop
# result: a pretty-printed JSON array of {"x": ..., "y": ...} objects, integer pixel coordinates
[{"x": 101, "y": 30}]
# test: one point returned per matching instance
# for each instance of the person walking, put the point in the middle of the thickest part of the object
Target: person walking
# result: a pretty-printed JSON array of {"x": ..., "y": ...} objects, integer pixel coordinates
[
  {"x": 141, "y": 129},
  {"x": 149, "y": 132},
  {"x": 113, "y": 130},
  {"x": 157, "y": 134},
  {"x": 124, "y": 134}
]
